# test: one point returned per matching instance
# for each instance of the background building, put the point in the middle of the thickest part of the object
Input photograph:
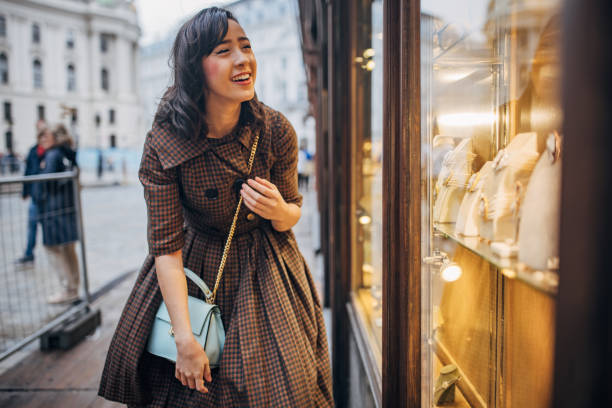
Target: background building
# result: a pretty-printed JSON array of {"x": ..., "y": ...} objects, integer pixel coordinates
[
  {"x": 272, "y": 27},
  {"x": 73, "y": 61}
]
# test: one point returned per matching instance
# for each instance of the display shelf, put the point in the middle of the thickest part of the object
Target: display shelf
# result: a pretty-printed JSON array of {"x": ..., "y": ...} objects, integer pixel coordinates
[{"x": 546, "y": 281}]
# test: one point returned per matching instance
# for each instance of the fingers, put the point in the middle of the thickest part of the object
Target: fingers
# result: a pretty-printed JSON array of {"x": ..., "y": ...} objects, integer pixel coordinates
[
  {"x": 256, "y": 199},
  {"x": 265, "y": 183},
  {"x": 207, "y": 375},
  {"x": 191, "y": 381},
  {"x": 264, "y": 187},
  {"x": 200, "y": 386}
]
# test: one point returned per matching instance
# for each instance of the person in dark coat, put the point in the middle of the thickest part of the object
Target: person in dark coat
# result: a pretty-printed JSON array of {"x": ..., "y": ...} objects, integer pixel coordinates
[
  {"x": 56, "y": 208},
  {"x": 194, "y": 170},
  {"x": 32, "y": 167}
]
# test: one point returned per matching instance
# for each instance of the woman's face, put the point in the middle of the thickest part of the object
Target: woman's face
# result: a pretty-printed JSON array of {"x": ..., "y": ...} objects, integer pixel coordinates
[
  {"x": 47, "y": 140},
  {"x": 231, "y": 68}
]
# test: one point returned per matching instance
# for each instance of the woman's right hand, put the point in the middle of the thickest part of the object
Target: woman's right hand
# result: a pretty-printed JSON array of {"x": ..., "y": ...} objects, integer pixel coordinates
[{"x": 192, "y": 365}]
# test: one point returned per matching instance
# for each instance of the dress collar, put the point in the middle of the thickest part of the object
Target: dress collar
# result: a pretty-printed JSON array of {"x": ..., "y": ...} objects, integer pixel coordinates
[{"x": 173, "y": 150}]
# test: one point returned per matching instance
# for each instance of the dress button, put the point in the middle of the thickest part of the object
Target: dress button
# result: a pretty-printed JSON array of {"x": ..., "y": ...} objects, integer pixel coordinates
[{"x": 250, "y": 216}]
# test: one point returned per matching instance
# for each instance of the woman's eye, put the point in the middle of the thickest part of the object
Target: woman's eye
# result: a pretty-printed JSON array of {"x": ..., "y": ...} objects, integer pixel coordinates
[
  {"x": 247, "y": 46},
  {"x": 222, "y": 51}
]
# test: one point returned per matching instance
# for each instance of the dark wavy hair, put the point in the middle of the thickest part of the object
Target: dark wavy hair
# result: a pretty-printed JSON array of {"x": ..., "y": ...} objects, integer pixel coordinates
[{"x": 183, "y": 105}]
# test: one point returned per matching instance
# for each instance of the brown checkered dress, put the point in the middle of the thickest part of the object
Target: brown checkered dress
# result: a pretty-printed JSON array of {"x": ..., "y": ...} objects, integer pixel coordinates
[{"x": 275, "y": 348}]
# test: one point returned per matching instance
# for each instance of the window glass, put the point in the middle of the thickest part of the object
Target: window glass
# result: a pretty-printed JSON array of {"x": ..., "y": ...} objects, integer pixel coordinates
[
  {"x": 71, "y": 78},
  {"x": 4, "y": 69},
  {"x": 368, "y": 157},
  {"x": 104, "y": 79},
  {"x": 38, "y": 74},
  {"x": 70, "y": 39},
  {"x": 490, "y": 135},
  {"x": 2, "y": 26},
  {"x": 35, "y": 33}
]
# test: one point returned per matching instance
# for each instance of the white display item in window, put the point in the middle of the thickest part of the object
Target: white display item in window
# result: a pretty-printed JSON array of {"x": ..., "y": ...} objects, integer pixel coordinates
[
  {"x": 504, "y": 188},
  {"x": 457, "y": 168},
  {"x": 467, "y": 220},
  {"x": 540, "y": 211}
]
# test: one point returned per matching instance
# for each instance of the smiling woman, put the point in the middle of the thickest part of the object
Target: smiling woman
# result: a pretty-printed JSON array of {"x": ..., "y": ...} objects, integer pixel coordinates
[{"x": 211, "y": 135}]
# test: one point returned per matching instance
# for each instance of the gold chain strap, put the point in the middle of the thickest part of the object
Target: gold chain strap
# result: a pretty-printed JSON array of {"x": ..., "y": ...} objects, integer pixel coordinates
[{"x": 211, "y": 300}]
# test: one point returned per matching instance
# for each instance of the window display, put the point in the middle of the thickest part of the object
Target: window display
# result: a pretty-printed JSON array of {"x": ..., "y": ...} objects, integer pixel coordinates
[
  {"x": 490, "y": 134},
  {"x": 368, "y": 158}
]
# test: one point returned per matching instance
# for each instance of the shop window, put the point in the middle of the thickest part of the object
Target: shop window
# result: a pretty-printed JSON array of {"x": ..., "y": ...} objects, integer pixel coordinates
[
  {"x": 40, "y": 112},
  {"x": 104, "y": 79},
  {"x": 8, "y": 117},
  {"x": 367, "y": 176},
  {"x": 113, "y": 141},
  {"x": 4, "y": 69},
  {"x": 71, "y": 77},
  {"x": 35, "y": 34},
  {"x": 70, "y": 39},
  {"x": 37, "y": 73},
  {"x": 491, "y": 140},
  {"x": 111, "y": 116},
  {"x": 2, "y": 26}
]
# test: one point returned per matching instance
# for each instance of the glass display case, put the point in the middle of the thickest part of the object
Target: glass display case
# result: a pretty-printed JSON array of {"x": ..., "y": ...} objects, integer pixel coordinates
[
  {"x": 491, "y": 175},
  {"x": 367, "y": 175}
]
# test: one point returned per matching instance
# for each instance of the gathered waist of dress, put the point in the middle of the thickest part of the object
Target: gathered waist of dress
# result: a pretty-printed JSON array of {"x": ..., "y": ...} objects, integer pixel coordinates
[{"x": 195, "y": 223}]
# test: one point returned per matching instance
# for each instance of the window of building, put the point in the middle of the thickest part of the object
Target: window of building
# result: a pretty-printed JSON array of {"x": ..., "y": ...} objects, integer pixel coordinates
[
  {"x": 71, "y": 77},
  {"x": 35, "y": 33},
  {"x": 70, "y": 39},
  {"x": 40, "y": 111},
  {"x": 7, "y": 112},
  {"x": 9, "y": 140},
  {"x": 104, "y": 43},
  {"x": 104, "y": 79},
  {"x": 4, "y": 71},
  {"x": 111, "y": 116},
  {"x": 284, "y": 62},
  {"x": 113, "y": 141},
  {"x": 98, "y": 119},
  {"x": 74, "y": 117},
  {"x": 2, "y": 26},
  {"x": 38, "y": 74}
]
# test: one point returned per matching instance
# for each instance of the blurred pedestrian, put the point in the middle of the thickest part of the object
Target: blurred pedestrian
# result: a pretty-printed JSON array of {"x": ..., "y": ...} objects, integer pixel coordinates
[
  {"x": 303, "y": 166},
  {"x": 195, "y": 171},
  {"x": 32, "y": 167},
  {"x": 56, "y": 207},
  {"x": 100, "y": 167}
]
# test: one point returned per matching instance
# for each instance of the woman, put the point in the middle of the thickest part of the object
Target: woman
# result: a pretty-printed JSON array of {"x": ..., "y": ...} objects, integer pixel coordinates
[
  {"x": 193, "y": 169},
  {"x": 56, "y": 211}
]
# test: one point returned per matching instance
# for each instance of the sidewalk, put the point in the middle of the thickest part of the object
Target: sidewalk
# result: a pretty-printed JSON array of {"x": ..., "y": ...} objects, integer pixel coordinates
[{"x": 66, "y": 378}]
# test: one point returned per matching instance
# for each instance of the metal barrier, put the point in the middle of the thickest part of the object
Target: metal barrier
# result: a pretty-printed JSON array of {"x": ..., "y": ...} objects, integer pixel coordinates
[{"x": 28, "y": 307}]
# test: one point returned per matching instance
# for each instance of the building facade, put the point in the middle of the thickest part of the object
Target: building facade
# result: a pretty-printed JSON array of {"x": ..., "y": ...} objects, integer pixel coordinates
[
  {"x": 69, "y": 61},
  {"x": 272, "y": 27}
]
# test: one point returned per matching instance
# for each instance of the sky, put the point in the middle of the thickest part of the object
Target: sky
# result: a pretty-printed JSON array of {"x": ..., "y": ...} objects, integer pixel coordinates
[{"x": 156, "y": 17}]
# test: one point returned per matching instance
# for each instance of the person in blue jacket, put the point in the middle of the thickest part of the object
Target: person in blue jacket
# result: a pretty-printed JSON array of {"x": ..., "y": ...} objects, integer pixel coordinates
[
  {"x": 32, "y": 168},
  {"x": 55, "y": 203}
]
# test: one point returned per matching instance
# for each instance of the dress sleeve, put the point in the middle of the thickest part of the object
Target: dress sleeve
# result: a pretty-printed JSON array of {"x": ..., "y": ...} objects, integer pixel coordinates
[
  {"x": 284, "y": 170},
  {"x": 164, "y": 210}
]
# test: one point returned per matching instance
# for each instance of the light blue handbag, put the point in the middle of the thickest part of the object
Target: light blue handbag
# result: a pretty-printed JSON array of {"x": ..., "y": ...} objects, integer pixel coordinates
[
  {"x": 204, "y": 316},
  {"x": 206, "y": 326}
]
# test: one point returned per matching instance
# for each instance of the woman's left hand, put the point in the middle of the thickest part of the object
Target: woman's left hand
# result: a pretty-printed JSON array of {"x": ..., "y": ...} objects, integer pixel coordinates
[{"x": 264, "y": 199}]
